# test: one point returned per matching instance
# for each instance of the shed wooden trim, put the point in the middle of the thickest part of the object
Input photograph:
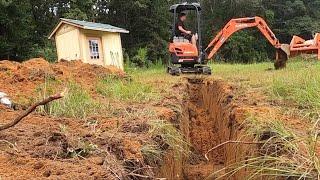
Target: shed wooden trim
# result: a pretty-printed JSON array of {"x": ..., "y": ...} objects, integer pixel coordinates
[
  {"x": 58, "y": 27},
  {"x": 81, "y": 25}
]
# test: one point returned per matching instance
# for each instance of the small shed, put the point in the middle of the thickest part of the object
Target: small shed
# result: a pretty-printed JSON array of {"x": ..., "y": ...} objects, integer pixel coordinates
[{"x": 93, "y": 43}]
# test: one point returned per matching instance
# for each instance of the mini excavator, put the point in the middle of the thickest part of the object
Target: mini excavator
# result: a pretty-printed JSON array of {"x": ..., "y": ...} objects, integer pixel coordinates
[{"x": 188, "y": 58}]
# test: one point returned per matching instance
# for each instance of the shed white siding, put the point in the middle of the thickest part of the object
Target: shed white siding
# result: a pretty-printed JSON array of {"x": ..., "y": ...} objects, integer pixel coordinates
[
  {"x": 113, "y": 49},
  {"x": 89, "y": 42},
  {"x": 67, "y": 42}
]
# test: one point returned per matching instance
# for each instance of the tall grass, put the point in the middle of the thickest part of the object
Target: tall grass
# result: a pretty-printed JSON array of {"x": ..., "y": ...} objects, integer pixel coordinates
[
  {"x": 76, "y": 104},
  {"x": 283, "y": 152},
  {"x": 126, "y": 90},
  {"x": 169, "y": 135},
  {"x": 301, "y": 88}
]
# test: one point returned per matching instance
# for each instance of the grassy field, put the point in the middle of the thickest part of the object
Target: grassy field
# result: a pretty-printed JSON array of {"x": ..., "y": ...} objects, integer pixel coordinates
[
  {"x": 297, "y": 85},
  {"x": 295, "y": 91}
]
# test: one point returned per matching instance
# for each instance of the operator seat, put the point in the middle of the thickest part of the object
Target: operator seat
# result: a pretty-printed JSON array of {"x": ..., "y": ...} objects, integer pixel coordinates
[{"x": 177, "y": 39}]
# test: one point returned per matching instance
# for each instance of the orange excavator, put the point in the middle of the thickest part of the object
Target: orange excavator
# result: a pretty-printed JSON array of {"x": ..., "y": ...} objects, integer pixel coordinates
[
  {"x": 188, "y": 58},
  {"x": 300, "y": 46}
]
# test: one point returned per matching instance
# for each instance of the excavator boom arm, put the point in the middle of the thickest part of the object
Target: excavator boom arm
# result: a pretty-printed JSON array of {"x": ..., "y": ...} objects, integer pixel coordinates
[{"x": 236, "y": 25}]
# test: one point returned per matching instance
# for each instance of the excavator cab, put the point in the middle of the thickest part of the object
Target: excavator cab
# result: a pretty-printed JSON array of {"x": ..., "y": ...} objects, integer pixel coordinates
[{"x": 186, "y": 57}]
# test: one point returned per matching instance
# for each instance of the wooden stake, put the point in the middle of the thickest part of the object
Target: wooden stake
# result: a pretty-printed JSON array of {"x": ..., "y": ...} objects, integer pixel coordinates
[{"x": 33, "y": 108}]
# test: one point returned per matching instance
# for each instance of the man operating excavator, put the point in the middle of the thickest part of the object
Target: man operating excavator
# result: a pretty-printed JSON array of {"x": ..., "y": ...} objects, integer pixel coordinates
[
  {"x": 181, "y": 31},
  {"x": 191, "y": 57}
]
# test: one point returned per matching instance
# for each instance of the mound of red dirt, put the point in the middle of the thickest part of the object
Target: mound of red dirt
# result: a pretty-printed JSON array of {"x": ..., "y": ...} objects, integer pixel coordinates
[
  {"x": 20, "y": 80},
  {"x": 106, "y": 145}
]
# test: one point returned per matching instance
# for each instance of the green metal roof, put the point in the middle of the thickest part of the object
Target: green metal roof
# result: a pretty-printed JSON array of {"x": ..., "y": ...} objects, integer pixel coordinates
[
  {"x": 96, "y": 26},
  {"x": 89, "y": 26}
]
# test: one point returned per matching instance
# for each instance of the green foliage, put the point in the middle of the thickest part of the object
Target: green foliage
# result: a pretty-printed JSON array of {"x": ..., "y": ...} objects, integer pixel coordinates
[
  {"x": 244, "y": 47},
  {"x": 141, "y": 59},
  {"x": 5, "y": 3},
  {"x": 15, "y": 27},
  {"x": 47, "y": 52},
  {"x": 25, "y": 25},
  {"x": 125, "y": 90},
  {"x": 76, "y": 14}
]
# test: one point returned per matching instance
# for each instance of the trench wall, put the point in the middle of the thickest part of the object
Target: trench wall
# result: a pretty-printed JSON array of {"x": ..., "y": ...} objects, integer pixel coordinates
[{"x": 211, "y": 116}]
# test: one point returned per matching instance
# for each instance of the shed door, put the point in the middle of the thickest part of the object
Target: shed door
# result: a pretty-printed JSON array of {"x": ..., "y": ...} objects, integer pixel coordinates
[{"x": 95, "y": 51}]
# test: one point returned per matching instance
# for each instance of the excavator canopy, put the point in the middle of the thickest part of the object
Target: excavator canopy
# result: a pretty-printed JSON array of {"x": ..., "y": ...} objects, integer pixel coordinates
[{"x": 185, "y": 7}]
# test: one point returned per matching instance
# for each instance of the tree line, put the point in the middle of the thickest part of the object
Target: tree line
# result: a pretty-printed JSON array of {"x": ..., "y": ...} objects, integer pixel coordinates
[{"x": 26, "y": 24}]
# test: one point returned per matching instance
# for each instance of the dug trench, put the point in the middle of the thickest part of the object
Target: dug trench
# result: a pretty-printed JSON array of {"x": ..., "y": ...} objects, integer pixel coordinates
[{"x": 210, "y": 117}]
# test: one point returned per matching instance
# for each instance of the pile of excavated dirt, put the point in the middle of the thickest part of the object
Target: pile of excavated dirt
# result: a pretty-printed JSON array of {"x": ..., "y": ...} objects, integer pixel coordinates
[
  {"x": 109, "y": 145},
  {"x": 67, "y": 148},
  {"x": 103, "y": 146},
  {"x": 19, "y": 80}
]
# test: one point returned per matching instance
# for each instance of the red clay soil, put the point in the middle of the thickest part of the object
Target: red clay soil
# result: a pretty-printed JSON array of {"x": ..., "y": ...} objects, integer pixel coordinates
[
  {"x": 65, "y": 148},
  {"x": 41, "y": 150},
  {"x": 214, "y": 113},
  {"x": 209, "y": 116},
  {"x": 45, "y": 147},
  {"x": 19, "y": 80}
]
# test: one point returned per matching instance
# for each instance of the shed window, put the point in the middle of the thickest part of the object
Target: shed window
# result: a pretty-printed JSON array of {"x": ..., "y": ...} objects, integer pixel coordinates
[{"x": 94, "y": 49}]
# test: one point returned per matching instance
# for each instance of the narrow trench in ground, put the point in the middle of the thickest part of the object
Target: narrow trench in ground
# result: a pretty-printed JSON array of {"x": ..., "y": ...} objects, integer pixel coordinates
[{"x": 210, "y": 117}]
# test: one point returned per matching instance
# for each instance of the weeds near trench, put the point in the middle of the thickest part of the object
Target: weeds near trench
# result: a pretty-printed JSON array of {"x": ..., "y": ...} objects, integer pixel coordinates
[
  {"x": 168, "y": 137},
  {"x": 76, "y": 104},
  {"x": 152, "y": 153},
  {"x": 284, "y": 152},
  {"x": 125, "y": 89}
]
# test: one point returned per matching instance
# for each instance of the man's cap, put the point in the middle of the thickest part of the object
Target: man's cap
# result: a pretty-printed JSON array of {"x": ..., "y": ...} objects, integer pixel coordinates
[{"x": 182, "y": 14}]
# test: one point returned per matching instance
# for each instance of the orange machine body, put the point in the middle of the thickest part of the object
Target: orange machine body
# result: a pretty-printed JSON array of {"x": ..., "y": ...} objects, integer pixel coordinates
[
  {"x": 299, "y": 46},
  {"x": 183, "y": 52}
]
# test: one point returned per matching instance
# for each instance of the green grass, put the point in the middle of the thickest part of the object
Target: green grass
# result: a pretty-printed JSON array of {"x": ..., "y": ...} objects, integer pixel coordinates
[
  {"x": 169, "y": 135},
  {"x": 127, "y": 90},
  {"x": 287, "y": 152},
  {"x": 152, "y": 153},
  {"x": 284, "y": 153},
  {"x": 300, "y": 87},
  {"x": 76, "y": 104},
  {"x": 295, "y": 88},
  {"x": 299, "y": 83}
]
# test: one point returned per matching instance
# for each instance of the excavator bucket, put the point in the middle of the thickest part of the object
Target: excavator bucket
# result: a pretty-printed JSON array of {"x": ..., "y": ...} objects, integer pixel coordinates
[{"x": 282, "y": 56}]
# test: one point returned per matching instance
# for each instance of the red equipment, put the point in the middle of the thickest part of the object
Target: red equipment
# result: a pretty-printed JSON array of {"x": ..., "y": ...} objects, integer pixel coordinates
[
  {"x": 300, "y": 46},
  {"x": 194, "y": 59},
  {"x": 235, "y": 25}
]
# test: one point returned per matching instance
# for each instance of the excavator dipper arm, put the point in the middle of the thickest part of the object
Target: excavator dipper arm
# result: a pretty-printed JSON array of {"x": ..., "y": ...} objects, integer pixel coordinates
[{"x": 236, "y": 25}]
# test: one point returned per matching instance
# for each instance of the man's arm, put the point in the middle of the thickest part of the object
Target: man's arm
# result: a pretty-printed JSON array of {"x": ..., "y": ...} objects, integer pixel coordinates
[{"x": 183, "y": 30}]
